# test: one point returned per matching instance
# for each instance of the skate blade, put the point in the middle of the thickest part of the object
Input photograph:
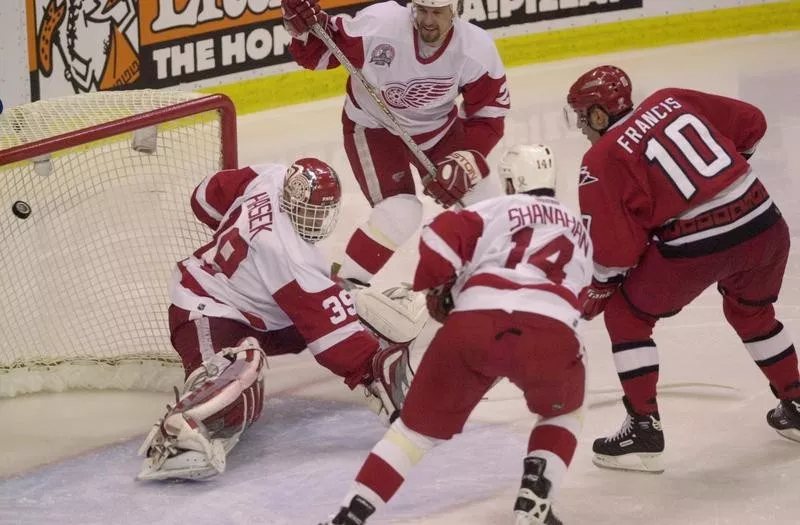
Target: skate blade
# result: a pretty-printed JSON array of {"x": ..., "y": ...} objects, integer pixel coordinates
[
  {"x": 650, "y": 463},
  {"x": 790, "y": 433}
]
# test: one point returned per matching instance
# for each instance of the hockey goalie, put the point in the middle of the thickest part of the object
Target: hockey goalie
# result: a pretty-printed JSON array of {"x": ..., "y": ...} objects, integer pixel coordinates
[{"x": 260, "y": 288}]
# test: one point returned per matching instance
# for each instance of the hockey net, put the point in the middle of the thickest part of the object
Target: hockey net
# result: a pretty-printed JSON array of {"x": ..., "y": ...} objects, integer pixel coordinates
[{"x": 107, "y": 177}]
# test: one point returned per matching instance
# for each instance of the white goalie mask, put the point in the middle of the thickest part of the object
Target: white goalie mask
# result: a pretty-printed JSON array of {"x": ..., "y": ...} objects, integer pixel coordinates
[
  {"x": 528, "y": 167},
  {"x": 311, "y": 197}
]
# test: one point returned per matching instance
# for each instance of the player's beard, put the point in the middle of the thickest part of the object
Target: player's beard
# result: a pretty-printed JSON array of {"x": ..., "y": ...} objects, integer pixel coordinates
[{"x": 432, "y": 36}]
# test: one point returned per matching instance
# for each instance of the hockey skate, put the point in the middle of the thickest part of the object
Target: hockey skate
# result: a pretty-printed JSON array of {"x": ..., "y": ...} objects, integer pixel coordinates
[
  {"x": 785, "y": 419},
  {"x": 637, "y": 446},
  {"x": 533, "y": 506},
  {"x": 194, "y": 437},
  {"x": 354, "y": 514}
]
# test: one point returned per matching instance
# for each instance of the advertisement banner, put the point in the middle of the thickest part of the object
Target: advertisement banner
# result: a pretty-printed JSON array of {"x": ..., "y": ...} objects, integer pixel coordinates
[
  {"x": 490, "y": 14},
  {"x": 78, "y": 46}
]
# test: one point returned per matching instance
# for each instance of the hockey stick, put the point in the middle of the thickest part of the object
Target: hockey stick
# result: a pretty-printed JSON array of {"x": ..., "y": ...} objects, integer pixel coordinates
[
  {"x": 618, "y": 390},
  {"x": 412, "y": 146}
]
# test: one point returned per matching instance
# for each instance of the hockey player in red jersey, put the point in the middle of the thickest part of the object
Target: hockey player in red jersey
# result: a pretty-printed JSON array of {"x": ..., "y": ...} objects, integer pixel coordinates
[
  {"x": 674, "y": 207},
  {"x": 261, "y": 287},
  {"x": 420, "y": 58},
  {"x": 504, "y": 277}
]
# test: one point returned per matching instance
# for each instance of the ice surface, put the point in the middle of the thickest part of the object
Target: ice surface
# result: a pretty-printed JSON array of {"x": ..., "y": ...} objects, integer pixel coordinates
[{"x": 724, "y": 466}]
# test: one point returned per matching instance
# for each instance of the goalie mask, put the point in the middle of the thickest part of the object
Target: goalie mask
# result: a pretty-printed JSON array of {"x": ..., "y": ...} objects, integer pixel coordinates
[
  {"x": 525, "y": 168},
  {"x": 605, "y": 87},
  {"x": 312, "y": 198}
]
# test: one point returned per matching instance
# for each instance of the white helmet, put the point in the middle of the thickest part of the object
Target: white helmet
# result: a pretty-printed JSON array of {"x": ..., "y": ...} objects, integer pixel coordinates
[
  {"x": 454, "y": 4},
  {"x": 526, "y": 167}
]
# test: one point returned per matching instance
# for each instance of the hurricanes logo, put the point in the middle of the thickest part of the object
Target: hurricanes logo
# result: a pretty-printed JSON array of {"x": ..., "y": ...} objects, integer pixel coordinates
[
  {"x": 418, "y": 93},
  {"x": 93, "y": 40}
]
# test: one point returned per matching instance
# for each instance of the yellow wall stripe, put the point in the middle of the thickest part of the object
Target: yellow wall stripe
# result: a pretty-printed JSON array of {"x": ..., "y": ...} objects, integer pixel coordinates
[{"x": 303, "y": 86}]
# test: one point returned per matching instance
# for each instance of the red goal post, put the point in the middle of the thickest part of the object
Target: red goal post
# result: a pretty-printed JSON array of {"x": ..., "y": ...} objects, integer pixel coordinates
[{"x": 94, "y": 213}]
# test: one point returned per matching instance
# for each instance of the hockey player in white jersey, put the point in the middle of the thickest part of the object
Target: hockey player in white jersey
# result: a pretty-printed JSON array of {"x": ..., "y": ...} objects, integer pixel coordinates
[
  {"x": 419, "y": 58},
  {"x": 503, "y": 276},
  {"x": 261, "y": 287}
]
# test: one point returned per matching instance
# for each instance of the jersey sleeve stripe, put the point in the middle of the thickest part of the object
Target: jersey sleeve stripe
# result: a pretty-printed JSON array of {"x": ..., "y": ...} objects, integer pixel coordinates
[
  {"x": 202, "y": 209},
  {"x": 441, "y": 248},
  {"x": 331, "y": 339}
]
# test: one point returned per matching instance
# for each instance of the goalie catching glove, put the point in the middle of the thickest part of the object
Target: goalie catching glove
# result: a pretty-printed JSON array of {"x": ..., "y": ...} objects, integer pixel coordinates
[
  {"x": 219, "y": 401},
  {"x": 392, "y": 375},
  {"x": 456, "y": 174}
]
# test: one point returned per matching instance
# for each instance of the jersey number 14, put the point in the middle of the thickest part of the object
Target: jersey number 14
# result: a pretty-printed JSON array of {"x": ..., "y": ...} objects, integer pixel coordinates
[{"x": 550, "y": 258}]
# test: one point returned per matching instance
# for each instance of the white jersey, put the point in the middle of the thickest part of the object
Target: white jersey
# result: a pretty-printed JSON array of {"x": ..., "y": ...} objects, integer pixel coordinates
[
  {"x": 511, "y": 253},
  {"x": 421, "y": 92},
  {"x": 257, "y": 270}
]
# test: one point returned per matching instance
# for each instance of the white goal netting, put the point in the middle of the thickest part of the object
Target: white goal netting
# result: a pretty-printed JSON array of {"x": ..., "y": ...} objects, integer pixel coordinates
[{"x": 106, "y": 178}]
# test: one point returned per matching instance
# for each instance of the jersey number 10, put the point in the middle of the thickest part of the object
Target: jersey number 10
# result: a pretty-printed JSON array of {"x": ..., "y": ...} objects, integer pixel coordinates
[{"x": 656, "y": 151}]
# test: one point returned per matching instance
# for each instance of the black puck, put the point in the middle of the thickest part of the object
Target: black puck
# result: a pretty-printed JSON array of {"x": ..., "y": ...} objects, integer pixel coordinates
[{"x": 21, "y": 209}]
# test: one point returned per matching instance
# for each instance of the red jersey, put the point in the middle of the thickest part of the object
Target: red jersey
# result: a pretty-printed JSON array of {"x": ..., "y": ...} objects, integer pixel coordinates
[
  {"x": 422, "y": 91},
  {"x": 674, "y": 171}
]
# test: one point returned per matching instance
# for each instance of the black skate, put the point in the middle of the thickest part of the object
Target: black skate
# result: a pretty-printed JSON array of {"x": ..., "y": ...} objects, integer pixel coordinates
[
  {"x": 785, "y": 419},
  {"x": 533, "y": 504},
  {"x": 637, "y": 446},
  {"x": 354, "y": 514}
]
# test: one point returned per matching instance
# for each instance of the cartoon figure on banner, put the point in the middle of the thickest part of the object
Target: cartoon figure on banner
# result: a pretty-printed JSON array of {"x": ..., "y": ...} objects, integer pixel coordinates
[{"x": 96, "y": 40}]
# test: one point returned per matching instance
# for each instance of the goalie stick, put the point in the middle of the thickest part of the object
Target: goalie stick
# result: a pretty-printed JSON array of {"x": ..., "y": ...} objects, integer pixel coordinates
[
  {"x": 618, "y": 390},
  {"x": 413, "y": 147}
]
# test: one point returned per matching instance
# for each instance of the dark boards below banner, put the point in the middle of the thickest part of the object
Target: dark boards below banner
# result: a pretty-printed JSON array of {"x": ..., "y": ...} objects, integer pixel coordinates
[{"x": 129, "y": 44}]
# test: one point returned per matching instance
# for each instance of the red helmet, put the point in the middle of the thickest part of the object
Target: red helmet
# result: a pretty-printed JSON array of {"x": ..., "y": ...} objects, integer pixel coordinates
[
  {"x": 605, "y": 86},
  {"x": 312, "y": 198}
]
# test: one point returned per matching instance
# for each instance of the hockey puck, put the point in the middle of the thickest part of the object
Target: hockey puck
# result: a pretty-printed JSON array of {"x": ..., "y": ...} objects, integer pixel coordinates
[{"x": 21, "y": 209}]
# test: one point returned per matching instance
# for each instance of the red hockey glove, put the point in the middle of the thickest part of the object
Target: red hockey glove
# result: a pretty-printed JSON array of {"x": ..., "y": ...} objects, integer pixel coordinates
[
  {"x": 440, "y": 302},
  {"x": 456, "y": 174},
  {"x": 594, "y": 297},
  {"x": 300, "y": 15}
]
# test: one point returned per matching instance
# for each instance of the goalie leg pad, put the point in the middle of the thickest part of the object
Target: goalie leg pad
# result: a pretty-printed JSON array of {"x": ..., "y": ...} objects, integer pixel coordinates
[
  {"x": 397, "y": 314},
  {"x": 219, "y": 402}
]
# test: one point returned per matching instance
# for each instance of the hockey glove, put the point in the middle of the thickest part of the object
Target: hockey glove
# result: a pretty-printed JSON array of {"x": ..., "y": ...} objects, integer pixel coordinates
[
  {"x": 440, "y": 301},
  {"x": 594, "y": 297},
  {"x": 456, "y": 174},
  {"x": 300, "y": 15}
]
